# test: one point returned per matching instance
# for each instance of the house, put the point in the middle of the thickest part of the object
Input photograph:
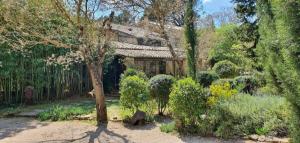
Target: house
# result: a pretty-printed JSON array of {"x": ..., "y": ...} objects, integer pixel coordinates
[{"x": 145, "y": 50}]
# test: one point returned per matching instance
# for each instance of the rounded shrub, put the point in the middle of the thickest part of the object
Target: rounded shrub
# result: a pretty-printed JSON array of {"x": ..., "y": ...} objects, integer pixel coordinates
[
  {"x": 206, "y": 78},
  {"x": 226, "y": 69},
  {"x": 133, "y": 72},
  {"x": 187, "y": 103},
  {"x": 160, "y": 88},
  {"x": 226, "y": 80},
  {"x": 134, "y": 92},
  {"x": 247, "y": 84}
]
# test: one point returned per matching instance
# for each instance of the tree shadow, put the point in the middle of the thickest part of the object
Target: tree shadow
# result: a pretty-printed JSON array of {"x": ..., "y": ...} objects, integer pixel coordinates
[
  {"x": 100, "y": 135},
  {"x": 106, "y": 134},
  {"x": 9, "y": 127}
]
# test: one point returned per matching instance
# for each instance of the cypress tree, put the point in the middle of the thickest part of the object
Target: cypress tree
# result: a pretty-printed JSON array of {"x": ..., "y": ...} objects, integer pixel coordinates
[
  {"x": 280, "y": 30},
  {"x": 287, "y": 15},
  {"x": 190, "y": 38}
]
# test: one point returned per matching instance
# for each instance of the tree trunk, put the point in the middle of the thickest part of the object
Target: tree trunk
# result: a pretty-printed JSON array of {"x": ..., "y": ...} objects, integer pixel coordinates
[{"x": 99, "y": 94}]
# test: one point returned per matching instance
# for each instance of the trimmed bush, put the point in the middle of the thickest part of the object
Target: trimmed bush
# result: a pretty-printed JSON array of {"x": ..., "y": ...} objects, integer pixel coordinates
[
  {"x": 206, "y": 78},
  {"x": 246, "y": 115},
  {"x": 226, "y": 69},
  {"x": 133, "y": 72},
  {"x": 134, "y": 92},
  {"x": 160, "y": 88},
  {"x": 187, "y": 102}
]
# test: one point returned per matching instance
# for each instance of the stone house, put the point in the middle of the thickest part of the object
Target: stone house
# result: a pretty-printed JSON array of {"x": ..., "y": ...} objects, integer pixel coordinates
[{"x": 145, "y": 50}]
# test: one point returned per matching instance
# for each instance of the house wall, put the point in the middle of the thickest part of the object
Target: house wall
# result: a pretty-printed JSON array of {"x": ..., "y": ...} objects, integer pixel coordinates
[{"x": 153, "y": 67}]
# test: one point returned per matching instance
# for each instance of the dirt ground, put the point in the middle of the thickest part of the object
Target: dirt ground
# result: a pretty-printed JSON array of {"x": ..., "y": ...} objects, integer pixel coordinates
[{"x": 27, "y": 130}]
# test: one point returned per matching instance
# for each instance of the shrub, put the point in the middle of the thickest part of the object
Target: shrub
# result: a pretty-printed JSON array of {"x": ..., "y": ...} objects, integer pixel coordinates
[
  {"x": 206, "y": 78},
  {"x": 246, "y": 115},
  {"x": 247, "y": 84},
  {"x": 134, "y": 92},
  {"x": 133, "y": 72},
  {"x": 160, "y": 88},
  {"x": 227, "y": 80},
  {"x": 226, "y": 69},
  {"x": 220, "y": 92},
  {"x": 167, "y": 128},
  {"x": 187, "y": 103}
]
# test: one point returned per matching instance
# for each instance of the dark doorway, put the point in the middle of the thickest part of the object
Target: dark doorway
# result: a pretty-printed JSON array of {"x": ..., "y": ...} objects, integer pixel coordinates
[
  {"x": 162, "y": 67},
  {"x": 112, "y": 74}
]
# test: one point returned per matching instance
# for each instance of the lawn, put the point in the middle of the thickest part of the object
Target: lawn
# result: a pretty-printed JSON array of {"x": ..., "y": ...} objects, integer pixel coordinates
[{"x": 64, "y": 110}]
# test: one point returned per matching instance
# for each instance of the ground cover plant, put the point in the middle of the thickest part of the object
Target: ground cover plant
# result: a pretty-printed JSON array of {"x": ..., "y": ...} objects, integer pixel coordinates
[{"x": 245, "y": 115}]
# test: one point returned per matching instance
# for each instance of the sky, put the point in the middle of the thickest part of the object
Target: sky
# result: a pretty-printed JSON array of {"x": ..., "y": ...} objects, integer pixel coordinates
[{"x": 211, "y": 6}]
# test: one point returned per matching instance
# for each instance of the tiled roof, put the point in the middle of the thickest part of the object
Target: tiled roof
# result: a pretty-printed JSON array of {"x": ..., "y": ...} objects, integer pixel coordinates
[
  {"x": 136, "y": 31},
  {"x": 140, "y": 51}
]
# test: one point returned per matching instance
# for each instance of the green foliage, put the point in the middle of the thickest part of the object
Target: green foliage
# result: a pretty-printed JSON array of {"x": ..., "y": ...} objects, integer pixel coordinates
[
  {"x": 247, "y": 84},
  {"x": 226, "y": 69},
  {"x": 220, "y": 92},
  {"x": 54, "y": 73},
  {"x": 148, "y": 107},
  {"x": 247, "y": 32},
  {"x": 222, "y": 50},
  {"x": 206, "y": 78},
  {"x": 134, "y": 92},
  {"x": 133, "y": 72},
  {"x": 167, "y": 128},
  {"x": 229, "y": 47},
  {"x": 279, "y": 25},
  {"x": 245, "y": 115},
  {"x": 187, "y": 103},
  {"x": 59, "y": 112},
  {"x": 190, "y": 38},
  {"x": 160, "y": 88}
]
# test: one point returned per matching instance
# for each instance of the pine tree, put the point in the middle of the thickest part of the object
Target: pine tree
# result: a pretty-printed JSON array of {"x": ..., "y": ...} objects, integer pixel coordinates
[{"x": 191, "y": 38}]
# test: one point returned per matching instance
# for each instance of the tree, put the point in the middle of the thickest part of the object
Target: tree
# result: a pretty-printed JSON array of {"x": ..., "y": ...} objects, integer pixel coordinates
[
  {"x": 279, "y": 28},
  {"x": 64, "y": 24},
  {"x": 124, "y": 18},
  {"x": 226, "y": 16},
  {"x": 248, "y": 30},
  {"x": 191, "y": 38}
]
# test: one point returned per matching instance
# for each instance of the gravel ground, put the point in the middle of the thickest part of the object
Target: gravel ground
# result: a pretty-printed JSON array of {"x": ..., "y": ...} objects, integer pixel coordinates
[{"x": 27, "y": 130}]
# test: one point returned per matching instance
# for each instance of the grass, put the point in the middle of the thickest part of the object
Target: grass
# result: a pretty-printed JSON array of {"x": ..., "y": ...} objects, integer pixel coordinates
[
  {"x": 64, "y": 110},
  {"x": 167, "y": 128},
  {"x": 60, "y": 112}
]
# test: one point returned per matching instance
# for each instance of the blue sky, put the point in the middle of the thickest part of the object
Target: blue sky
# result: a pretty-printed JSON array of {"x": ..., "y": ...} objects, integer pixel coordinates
[{"x": 211, "y": 6}]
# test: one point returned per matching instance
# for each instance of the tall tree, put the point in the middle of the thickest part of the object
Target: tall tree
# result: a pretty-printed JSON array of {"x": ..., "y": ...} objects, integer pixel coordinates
[
  {"x": 280, "y": 30},
  {"x": 191, "y": 38},
  {"x": 248, "y": 30},
  {"x": 268, "y": 49},
  {"x": 27, "y": 23}
]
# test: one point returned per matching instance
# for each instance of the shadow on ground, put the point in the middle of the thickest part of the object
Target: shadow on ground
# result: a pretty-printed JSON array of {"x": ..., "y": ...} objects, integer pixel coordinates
[
  {"x": 9, "y": 127},
  {"x": 101, "y": 135}
]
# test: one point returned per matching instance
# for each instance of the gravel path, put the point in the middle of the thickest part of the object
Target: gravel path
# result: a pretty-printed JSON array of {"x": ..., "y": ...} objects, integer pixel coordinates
[{"x": 27, "y": 130}]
